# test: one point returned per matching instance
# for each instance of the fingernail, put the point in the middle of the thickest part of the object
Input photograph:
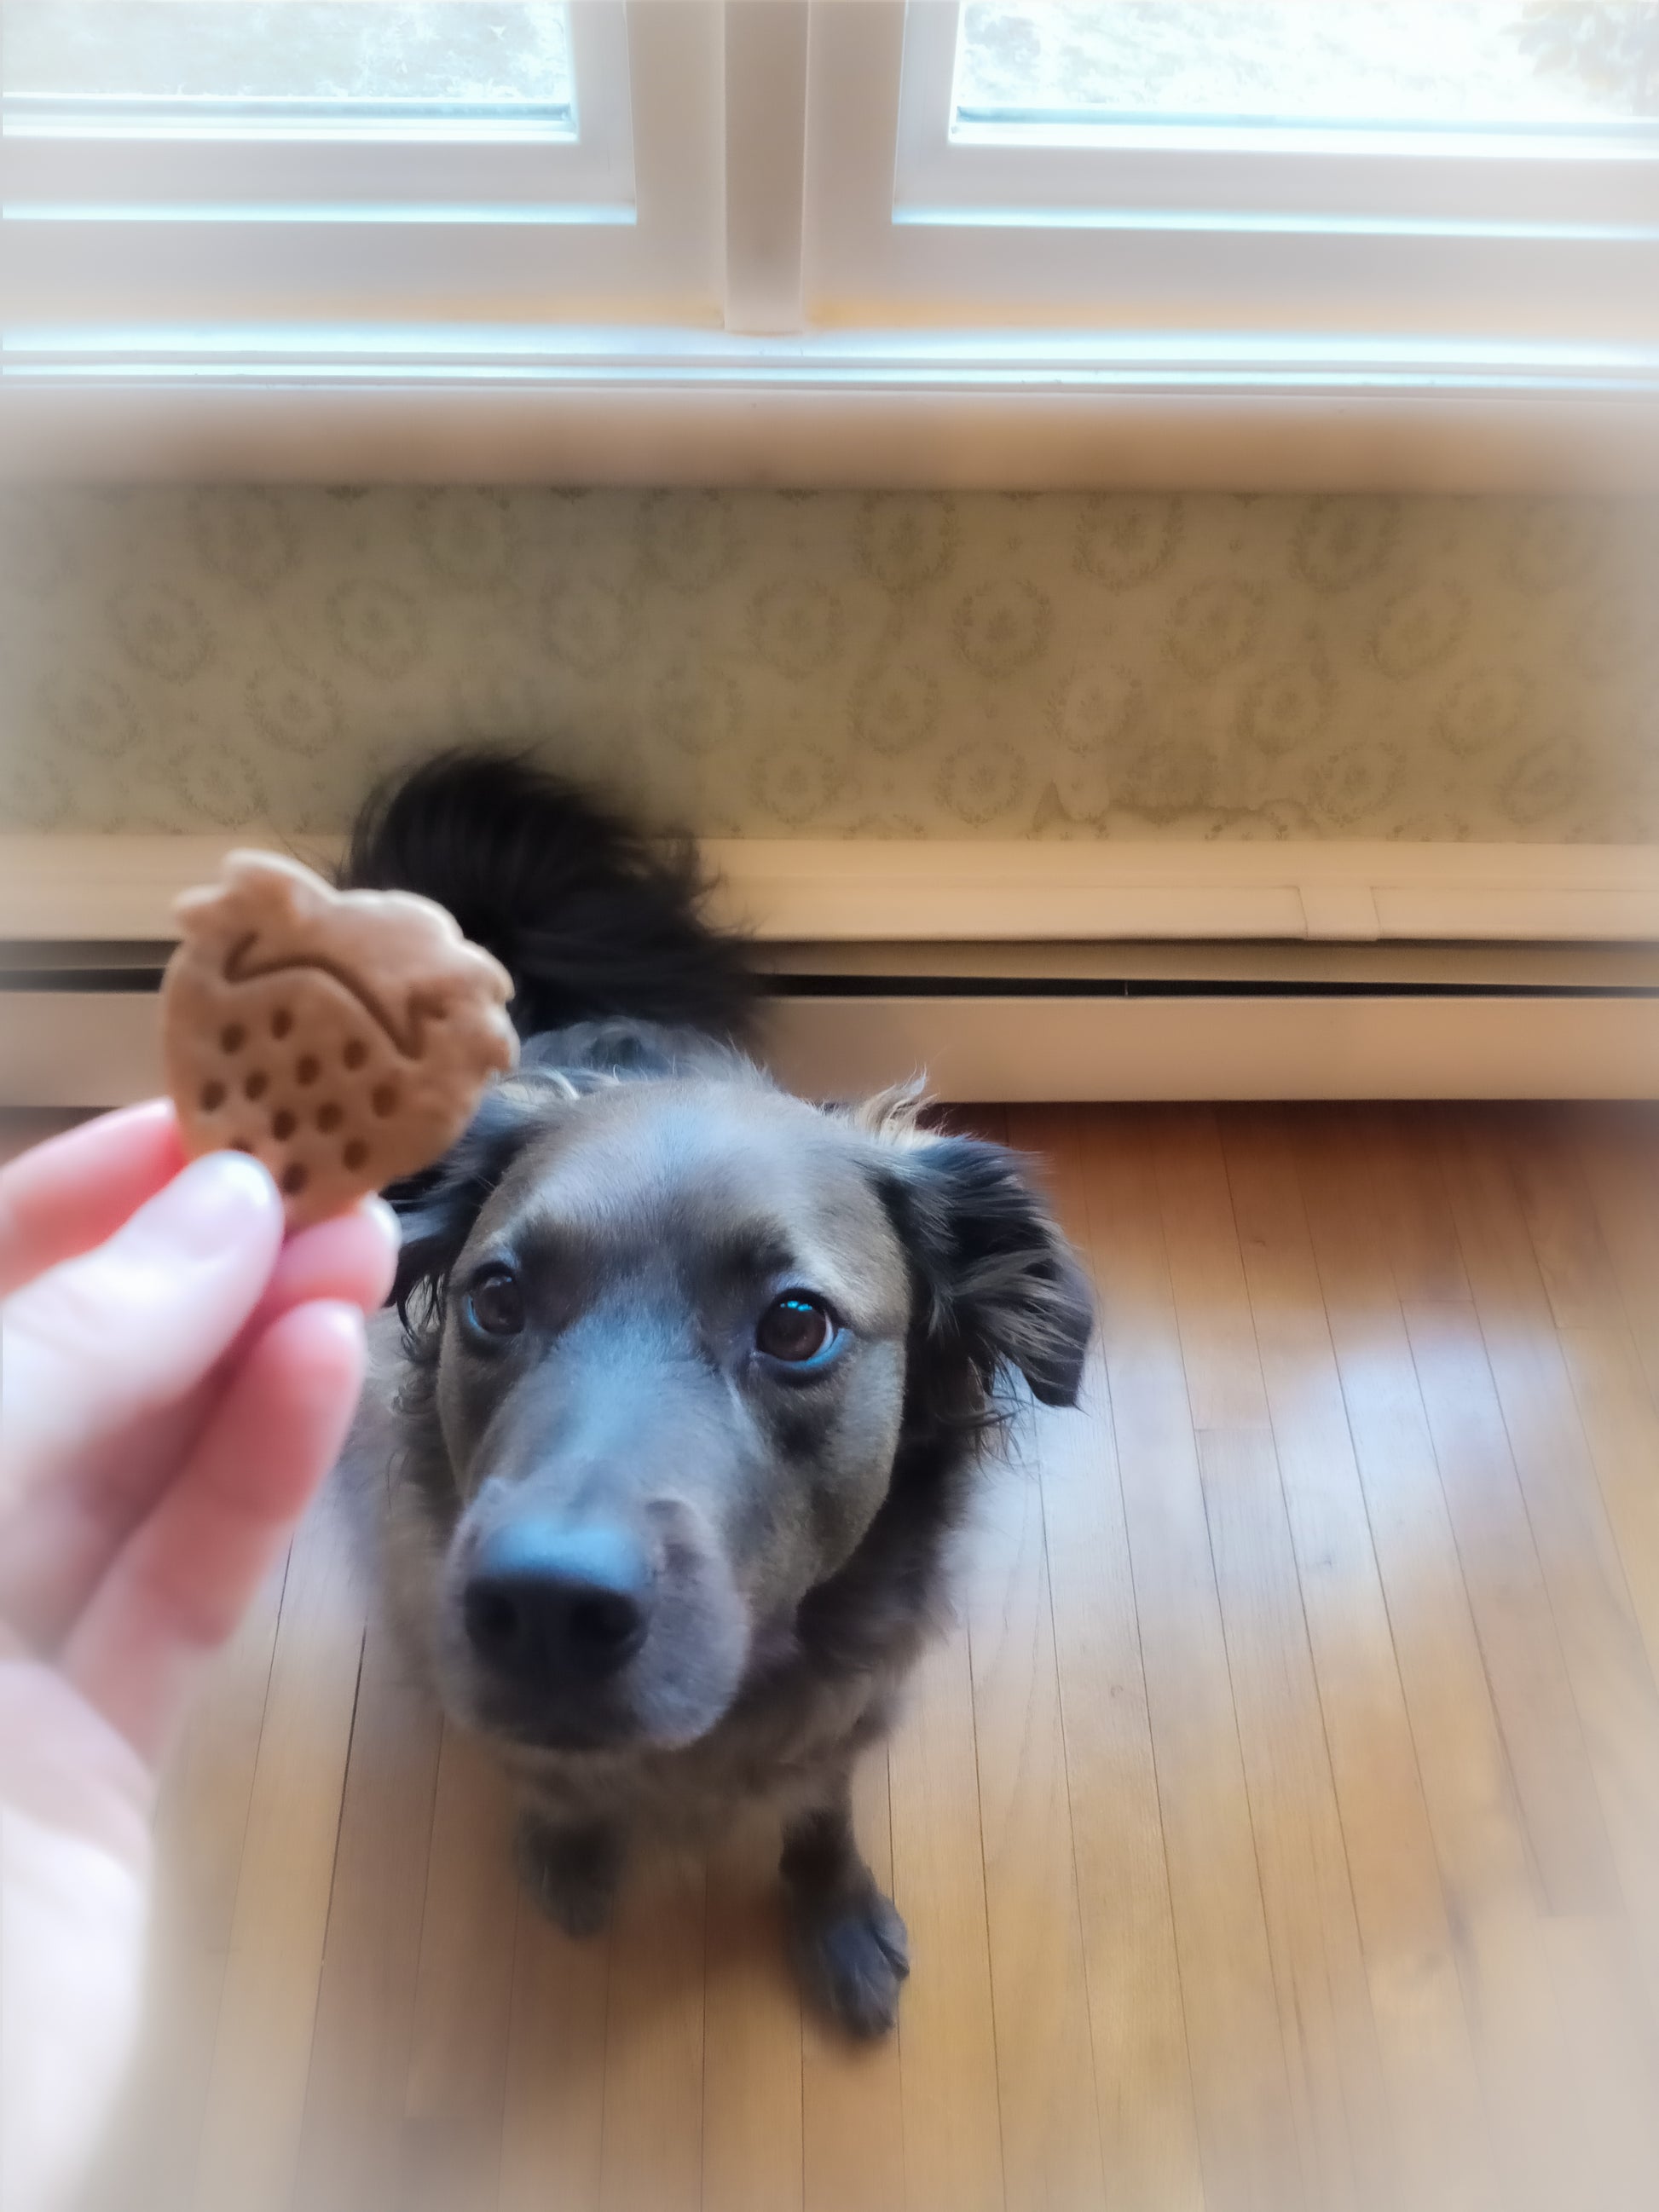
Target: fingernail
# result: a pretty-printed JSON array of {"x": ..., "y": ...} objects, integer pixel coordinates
[
  {"x": 379, "y": 1211},
  {"x": 216, "y": 1201},
  {"x": 344, "y": 1320},
  {"x": 146, "y": 1109},
  {"x": 335, "y": 1326}
]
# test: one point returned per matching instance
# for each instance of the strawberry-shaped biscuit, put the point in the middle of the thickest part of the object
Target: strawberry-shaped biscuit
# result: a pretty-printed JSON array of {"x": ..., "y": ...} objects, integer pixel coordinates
[{"x": 342, "y": 1038}]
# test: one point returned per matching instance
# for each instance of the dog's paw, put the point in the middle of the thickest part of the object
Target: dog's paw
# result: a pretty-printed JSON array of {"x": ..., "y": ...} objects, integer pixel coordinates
[
  {"x": 852, "y": 1958},
  {"x": 571, "y": 1873}
]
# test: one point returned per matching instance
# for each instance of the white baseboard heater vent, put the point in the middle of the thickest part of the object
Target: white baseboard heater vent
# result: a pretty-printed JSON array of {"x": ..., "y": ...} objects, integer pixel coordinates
[
  {"x": 1108, "y": 969},
  {"x": 1017, "y": 1020}
]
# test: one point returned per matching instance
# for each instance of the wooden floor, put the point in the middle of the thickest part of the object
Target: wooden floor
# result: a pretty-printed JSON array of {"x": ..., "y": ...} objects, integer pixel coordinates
[{"x": 1279, "y": 1828}]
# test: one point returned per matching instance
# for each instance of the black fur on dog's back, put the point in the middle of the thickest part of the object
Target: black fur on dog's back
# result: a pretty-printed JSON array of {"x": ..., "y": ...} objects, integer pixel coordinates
[{"x": 591, "y": 920}]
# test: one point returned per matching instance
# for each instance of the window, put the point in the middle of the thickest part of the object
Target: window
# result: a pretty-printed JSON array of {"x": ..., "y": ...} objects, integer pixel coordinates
[
  {"x": 938, "y": 219},
  {"x": 240, "y": 160},
  {"x": 1039, "y": 65},
  {"x": 158, "y": 67},
  {"x": 1412, "y": 174}
]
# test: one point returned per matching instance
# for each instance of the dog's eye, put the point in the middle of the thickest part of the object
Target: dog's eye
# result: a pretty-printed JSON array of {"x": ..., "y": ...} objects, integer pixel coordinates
[
  {"x": 494, "y": 1305},
  {"x": 794, "y": 1328}
]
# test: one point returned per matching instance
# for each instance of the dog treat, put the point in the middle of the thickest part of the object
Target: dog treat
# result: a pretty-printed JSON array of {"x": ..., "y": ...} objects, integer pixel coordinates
[{"x": 342, "y": 1038}]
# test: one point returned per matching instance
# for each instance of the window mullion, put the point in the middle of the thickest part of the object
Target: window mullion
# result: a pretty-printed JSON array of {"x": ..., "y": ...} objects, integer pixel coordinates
[{"x": 766, "y": 65}]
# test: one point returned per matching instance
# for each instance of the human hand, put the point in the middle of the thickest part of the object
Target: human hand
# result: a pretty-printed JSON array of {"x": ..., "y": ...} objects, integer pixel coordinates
[{"x": 174, "y": 1382}]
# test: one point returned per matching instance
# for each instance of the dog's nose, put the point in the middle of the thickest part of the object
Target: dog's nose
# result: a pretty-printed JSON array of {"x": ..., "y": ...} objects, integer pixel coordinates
[{"x": 547, "y": 1604}]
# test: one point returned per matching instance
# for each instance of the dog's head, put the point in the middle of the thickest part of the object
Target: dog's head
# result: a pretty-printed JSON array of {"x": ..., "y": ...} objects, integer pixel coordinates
[{"x": 675, "y": 1340}]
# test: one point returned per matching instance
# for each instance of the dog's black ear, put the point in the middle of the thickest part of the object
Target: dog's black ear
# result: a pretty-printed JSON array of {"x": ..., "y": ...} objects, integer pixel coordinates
[
  {"x": 436, "y": 1210},
  {"x": 1000, "y": 1285}
]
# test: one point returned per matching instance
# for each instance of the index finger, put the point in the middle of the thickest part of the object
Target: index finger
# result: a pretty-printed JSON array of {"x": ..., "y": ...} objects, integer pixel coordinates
[{"x": 70, "y": 1193}]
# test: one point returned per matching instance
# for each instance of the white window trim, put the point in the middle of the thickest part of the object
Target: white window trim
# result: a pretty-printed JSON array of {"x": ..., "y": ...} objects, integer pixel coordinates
[
  {"x": 1315, "y": 242},
  {"x": 353, "y": 406},
  {"x": 414, "y": 384},
  {"x": 200, "y": 234}
]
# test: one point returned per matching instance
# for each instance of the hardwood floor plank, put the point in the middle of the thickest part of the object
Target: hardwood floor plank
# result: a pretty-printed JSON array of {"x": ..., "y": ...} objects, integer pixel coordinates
[
  {"x": 1051, "y": 2149},
  {"x": 1513, "y": 1617},
  {"x": 1615, "y": 2059},
  {"x": 1243, "y": 2097},
  {"x": 351, "y": 2146},
  {"x": 1532, "y": 1166},
  {"x": 1413, "y": 1219},
  {"x": 1567, "y": 1391},
  {"x": 201, "y": 1831},
  {"x": 1143, "y": 2079},
  {"x": 1617, "y": 1149},
  {"x": 1406, "y": 1939},
  {"x": 753, "y": 2159},
  {"x": 553, "y": 2113},
  {"x": 255, "y": 2110},
  {"x": 1319, "y": 1968},
  {"x": 1575, "y": 1193},
  {"x": 1325, "y": 2007},
  {"x": 1217, "y": 1329},
  {"x": 1490, "y": 1915},
  {"x": 852, "y": 2097},
  {"x": 947, "y": 2035},
  {"x": 1620, "y": 1425},
  {"x": 1045, "y": 2066},
  {"x": 453, "y": 2094},
  {"x": 652, "y": 2158}
]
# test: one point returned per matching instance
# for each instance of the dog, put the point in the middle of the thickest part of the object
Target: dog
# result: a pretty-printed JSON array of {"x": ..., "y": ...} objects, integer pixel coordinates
[{"x": 664, "y": 1448}]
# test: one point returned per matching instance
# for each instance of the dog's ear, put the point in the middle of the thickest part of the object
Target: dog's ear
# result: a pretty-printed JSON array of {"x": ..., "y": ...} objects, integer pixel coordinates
[
  {"x": 436, "y": 1210},
  {"x": 1000, "y": 1286}
]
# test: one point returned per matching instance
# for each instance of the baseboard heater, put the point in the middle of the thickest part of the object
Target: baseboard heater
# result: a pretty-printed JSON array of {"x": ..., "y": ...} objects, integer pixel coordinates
[{"x": 1013, "y": 1021}]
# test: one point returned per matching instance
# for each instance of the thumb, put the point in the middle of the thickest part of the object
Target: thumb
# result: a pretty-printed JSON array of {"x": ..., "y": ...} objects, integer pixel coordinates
[{"x": 105, "y": 1341}]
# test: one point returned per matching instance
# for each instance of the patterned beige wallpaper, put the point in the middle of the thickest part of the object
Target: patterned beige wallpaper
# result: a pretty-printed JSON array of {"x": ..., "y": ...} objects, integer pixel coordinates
[{"x": 773, "y": 664}]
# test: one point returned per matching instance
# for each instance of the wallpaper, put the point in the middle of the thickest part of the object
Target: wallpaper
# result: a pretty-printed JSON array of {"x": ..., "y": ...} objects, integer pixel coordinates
[{"x": 781, "y": 664}]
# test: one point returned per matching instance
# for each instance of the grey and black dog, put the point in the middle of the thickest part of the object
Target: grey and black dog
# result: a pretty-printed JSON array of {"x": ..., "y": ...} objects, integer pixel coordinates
[{"x": 659, "y": 1473}]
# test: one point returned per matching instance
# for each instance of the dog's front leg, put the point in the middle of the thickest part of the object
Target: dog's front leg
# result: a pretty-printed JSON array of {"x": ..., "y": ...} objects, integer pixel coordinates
[
  {"x": 850, "y": 1947},
  {"x": 571, "y": 1871}
]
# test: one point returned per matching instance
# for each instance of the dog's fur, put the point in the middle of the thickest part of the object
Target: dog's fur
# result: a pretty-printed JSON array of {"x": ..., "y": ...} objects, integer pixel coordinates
[{"x": 651, "y": 1191}]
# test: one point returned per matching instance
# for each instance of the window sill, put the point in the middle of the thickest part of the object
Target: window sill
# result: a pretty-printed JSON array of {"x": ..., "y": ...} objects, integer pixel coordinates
[{"x": 835, "y": 408}]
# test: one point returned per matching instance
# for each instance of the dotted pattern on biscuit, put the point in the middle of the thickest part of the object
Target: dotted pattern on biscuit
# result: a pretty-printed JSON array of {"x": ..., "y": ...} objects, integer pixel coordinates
[{"x": 343, "y": 1038}]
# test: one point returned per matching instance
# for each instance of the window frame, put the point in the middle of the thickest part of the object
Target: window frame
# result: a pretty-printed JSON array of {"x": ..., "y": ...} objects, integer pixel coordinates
[
  {"x": 783, "y": 307},
  {"x": 1240, "y": 176},
  {"x": 1413, "y": 241},
  {"x": 207, "y": 223}
]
